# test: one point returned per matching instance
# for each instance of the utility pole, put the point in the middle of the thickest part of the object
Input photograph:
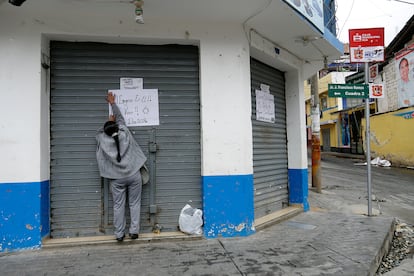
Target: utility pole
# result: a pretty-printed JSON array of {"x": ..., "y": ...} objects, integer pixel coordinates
[
  {"x": 368, "y": 143},
  {"x": 361, "y": 43},
  {"x": 316, "y": 141}
]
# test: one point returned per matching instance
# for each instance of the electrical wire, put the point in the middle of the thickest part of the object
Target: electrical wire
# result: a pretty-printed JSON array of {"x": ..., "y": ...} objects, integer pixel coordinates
[
  {"x": 253, "y": 15},
  {"x": 349, "y": 14},
  {"x": 405, "y": 2}
]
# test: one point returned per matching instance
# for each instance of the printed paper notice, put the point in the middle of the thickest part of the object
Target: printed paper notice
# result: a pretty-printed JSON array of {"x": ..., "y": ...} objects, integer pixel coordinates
[
  {"x": 265, "y": 107},
  {"x": 265, "y": 88},
  {"x": 138, "y": 106},
  {"x": 131, "y": 83}
]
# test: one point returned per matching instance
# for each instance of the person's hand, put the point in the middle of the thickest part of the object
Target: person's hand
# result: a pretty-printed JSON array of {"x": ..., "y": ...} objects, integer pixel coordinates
[
  {"x": 112, "y": 118},
  {"x": 110, "y": 98}
]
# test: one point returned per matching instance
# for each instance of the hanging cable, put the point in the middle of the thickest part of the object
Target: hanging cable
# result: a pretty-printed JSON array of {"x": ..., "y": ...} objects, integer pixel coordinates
[
  {"x": 349, "y": 14},
  {"x": 405, "y": 2},
  {"x": 253, "y": 15}
]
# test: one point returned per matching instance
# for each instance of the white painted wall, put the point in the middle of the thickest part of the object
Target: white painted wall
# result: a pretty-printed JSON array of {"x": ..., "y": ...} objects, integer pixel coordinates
[
  {"x": 225, "y": 51},
  {"x": 20, "y": 76},
  {"x": 226, "y": 103},
  {"x": 225, "y": 97},
  {"x": 296, "y": 122}
]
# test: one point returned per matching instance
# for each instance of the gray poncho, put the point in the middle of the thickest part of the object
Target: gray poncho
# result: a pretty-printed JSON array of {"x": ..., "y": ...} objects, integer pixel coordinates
[{"x": 132, "y": 157}]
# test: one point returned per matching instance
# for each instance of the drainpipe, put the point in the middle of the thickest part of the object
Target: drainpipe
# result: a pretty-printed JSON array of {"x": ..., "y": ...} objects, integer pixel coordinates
[{"x": 316, "y": 141}]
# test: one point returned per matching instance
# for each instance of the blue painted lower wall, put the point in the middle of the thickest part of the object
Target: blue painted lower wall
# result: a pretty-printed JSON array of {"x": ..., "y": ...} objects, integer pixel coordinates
[
  {"x": 45, "y": 208},
  {"x": 24, "y": 215},
  {"x": 298, "y": 187},
  {"x": 228, "y": 206}
]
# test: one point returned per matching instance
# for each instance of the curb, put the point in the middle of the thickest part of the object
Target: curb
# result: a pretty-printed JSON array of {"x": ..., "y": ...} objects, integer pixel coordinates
[
  {"x": 278, "y": 217},
  {"x": 259, "y": 224},
  {"x": 110, "y": 240},
  {"x": 383, "y": 251}
]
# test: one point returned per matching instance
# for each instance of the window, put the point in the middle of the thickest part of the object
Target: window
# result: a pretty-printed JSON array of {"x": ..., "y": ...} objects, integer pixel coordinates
[{"x": 324, "y": 102}]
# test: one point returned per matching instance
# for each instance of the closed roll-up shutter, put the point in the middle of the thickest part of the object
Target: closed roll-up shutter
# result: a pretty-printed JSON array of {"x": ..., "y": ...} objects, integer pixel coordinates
[
  {"x": 81, "y": 75},
  {"x": 269, "y": 144}
]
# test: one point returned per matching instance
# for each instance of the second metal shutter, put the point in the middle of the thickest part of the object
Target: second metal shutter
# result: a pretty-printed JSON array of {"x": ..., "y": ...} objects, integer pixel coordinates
[
  {"x": 81, "y": 74},
  {"x": 269, "y": 144}
]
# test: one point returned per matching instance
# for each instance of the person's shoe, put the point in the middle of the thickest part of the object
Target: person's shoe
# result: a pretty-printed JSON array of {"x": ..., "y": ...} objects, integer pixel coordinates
[
  {"x": 120, "y": 239},
  {"x": 133, "y": 236}
]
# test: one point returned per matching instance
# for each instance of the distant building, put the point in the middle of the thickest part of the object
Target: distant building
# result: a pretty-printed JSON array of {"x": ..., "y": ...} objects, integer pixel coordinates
[
  {"x": 392, "y": 117},
  {"x": 392, "y": 124}
]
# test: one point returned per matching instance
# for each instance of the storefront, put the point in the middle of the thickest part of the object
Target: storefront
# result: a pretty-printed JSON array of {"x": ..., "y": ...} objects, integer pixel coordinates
[
  {"x": 209, "y": 148},
  {"x": 81, "y": 75}
]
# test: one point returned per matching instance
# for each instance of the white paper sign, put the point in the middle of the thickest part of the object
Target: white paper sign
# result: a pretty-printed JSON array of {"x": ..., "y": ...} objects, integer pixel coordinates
[
  {"x": 138, "y": 106},
  {"x": 131, "y": 83},
  {"x": 265, "y": 107}
]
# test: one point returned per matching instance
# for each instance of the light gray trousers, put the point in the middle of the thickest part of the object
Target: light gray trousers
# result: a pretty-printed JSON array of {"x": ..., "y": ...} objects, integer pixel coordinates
[{"x": 119, "y": 189}]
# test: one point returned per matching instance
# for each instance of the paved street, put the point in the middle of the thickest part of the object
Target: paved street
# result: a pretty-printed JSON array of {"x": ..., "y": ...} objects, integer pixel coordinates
[
  {"x": 331, "y": 239},
  {"x": 345, "y": 188}
]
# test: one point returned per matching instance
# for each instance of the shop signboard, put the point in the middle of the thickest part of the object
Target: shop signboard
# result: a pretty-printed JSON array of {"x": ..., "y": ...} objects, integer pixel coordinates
[{"x": 366, "y": 45}]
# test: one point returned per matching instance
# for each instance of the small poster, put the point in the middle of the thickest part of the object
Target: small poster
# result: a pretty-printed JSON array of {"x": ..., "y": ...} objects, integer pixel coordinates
[
  {"x": 265, "y": 88},
  {"x": 138, "y": 106},
  {"x": 373, "y": 72},
  {"x": 376, "y": 90},
  {"x": 131, "y": 83},
  {"x": 265, "y": 107}
]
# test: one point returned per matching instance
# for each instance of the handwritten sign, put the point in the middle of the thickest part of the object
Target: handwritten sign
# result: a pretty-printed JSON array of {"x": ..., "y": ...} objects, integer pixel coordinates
[
  {"x": 138, "y": 106},
  {"x": 265, "y": 107}
]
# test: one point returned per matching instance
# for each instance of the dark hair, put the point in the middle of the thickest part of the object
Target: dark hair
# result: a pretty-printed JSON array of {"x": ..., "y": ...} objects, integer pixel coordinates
[
  {"x": 401, "y": 61},
  {"x": 111, "y": 129}
]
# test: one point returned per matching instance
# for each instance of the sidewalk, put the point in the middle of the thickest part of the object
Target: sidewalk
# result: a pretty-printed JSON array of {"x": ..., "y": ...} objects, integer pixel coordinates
[
  {"x": 317, "y": 242},
  {"x": 333, "y": 238}
]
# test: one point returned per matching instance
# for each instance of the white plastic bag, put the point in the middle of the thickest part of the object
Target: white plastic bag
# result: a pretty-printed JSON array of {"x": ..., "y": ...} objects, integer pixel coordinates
[
  {"x": 380, "y": 162},
  {"x": 191, "y": 220}
]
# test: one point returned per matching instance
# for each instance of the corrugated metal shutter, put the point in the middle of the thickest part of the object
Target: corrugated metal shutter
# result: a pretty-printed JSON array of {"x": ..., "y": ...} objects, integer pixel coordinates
[
  {"x": 81, "y": 74},
  {"x": 269, "y": 144}
]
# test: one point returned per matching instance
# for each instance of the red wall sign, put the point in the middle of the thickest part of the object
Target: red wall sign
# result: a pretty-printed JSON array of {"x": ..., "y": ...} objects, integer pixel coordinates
[
  {"x": 366, "y": 37},
  {"x": 366, "y": 45}
]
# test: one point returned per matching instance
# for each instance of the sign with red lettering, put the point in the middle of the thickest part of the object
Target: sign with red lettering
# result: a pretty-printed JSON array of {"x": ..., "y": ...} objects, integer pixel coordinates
[{"x": 366, "y": 45}]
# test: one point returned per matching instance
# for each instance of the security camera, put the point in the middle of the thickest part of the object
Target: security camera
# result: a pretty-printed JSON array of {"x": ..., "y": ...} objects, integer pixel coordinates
[{"x": 16, "y": 2}]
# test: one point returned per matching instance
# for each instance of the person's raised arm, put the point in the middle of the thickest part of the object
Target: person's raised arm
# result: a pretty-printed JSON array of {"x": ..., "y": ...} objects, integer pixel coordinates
[{"x": 110, "y": 98}]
